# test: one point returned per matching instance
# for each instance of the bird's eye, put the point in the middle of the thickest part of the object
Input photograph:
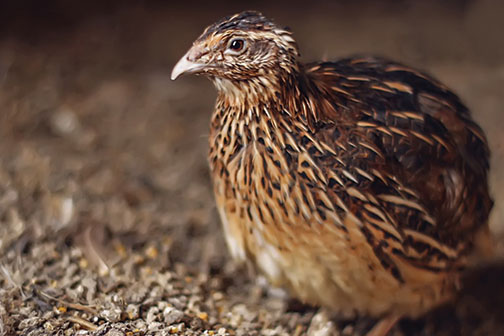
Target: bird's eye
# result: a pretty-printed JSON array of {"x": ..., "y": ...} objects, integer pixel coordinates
[{"x": 236, "y": 45}]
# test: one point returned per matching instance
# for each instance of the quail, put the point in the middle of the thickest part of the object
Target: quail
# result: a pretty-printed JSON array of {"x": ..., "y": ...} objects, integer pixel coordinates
[{"x": 359, "y": 185}]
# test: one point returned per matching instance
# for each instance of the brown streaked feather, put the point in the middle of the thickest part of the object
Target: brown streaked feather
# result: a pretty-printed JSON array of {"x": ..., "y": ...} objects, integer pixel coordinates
[
  {"x": 436, "y": 147},
  {"x": 359, "y": 184}
]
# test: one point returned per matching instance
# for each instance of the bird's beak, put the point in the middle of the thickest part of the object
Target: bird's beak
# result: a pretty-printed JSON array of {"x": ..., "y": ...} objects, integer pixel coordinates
[{"x": 186, "y": 65}]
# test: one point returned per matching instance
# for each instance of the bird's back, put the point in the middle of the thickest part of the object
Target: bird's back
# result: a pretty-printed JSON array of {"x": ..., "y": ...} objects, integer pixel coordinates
[{"x": 422, "y": 135}]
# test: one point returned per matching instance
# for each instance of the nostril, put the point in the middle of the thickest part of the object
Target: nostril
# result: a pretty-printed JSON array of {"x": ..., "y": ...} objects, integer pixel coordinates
[{"x": 195, "y": 54}]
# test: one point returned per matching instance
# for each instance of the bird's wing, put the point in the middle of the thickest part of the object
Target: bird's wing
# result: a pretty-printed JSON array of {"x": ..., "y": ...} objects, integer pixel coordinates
[{"x": 418, "y": 160}]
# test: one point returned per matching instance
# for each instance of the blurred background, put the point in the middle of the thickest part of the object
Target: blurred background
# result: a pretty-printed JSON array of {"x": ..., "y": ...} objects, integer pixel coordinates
[{"x": 102, "y": 156}]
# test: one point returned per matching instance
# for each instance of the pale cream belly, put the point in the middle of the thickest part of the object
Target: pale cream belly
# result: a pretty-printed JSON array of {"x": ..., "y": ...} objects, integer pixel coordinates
[{"x": 328, "y": 268}]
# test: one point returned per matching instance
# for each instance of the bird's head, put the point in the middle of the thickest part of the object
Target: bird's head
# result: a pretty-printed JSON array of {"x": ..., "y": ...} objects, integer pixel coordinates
[{"x": 239, "y": 49}]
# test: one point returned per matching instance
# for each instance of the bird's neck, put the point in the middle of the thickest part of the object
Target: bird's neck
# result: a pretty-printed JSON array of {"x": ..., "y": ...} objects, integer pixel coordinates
[
  {"x": 246, "y": 93},
  {"x": 291, "y": 93},
  {"x": 266, "y": 86}
]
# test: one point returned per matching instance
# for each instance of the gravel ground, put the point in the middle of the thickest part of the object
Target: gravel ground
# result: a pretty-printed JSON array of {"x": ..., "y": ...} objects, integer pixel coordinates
[{"x": 107, "y": 221}]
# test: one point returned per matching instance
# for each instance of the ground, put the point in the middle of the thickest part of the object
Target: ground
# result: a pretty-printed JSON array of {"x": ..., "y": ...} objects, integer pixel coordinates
[{"x": 107, "y": 221}]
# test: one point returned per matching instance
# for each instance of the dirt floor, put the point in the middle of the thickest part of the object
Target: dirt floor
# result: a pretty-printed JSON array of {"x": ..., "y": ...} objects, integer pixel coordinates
[{"x": 107, "y": 221}]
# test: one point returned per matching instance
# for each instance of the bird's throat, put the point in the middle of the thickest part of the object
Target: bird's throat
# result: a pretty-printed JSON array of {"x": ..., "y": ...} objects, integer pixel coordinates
[{"x": 250, "y": 92}]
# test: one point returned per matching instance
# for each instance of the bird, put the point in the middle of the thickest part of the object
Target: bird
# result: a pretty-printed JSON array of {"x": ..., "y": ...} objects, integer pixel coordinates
[{"x": 359, "y": 185}]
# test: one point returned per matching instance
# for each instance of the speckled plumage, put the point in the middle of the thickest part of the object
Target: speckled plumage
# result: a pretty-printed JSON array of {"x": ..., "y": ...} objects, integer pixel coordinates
[{"x": 360, "y": 184}]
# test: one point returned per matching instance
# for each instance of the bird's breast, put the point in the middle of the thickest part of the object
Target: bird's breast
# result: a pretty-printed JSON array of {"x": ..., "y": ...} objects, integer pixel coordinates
[{"x": 288, "y": 206}]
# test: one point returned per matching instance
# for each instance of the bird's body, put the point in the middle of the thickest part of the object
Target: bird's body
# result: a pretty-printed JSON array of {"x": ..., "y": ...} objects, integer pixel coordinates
[{"x": 360, "y": 185}]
